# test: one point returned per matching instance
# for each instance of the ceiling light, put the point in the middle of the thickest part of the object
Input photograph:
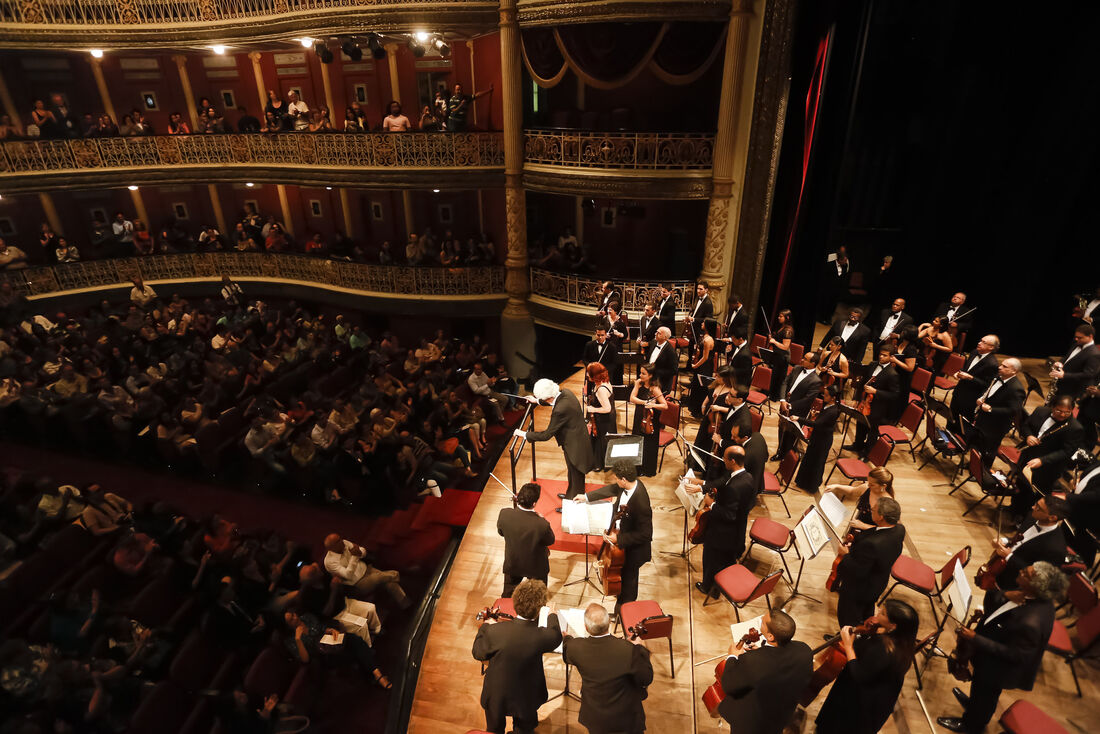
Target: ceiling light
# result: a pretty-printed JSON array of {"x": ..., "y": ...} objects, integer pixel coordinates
[
  {"x": 351, "y": 50},
  {"x": 306, "y": 41},
  {"x": 250, "y": 184},
  {"x": 435, "y": 191},
  {"x": 422, "y": 36},
  {"x": 132, "y": 187},
  {"x": 328, "y": 188},
  {"x": 97, "y": 53},
  {"x": 442, "y": 47},
  {"x": 416, "y": 48},
  {"x": 374, "y": 43},
  {"x": 218, "y": 49}
]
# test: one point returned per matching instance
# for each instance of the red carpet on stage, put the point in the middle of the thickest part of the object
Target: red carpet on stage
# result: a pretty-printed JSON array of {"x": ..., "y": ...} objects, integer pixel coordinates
[{"x": 547, "y": 507}]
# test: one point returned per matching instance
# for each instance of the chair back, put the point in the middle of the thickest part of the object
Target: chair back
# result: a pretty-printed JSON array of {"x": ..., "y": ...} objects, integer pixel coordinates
[
  {"x": 1082, "y": 594},
  {"x": 880, "y": 452},
  {"x": 657, "y": 626},
  {"x": 787, "y": 467},
  {"x": 977, "y": 468},
  {"x": 757, "y": 417},
  {"x": 758, "y": 340},
  {"x": 766, "y": 586},
  {"x": 670, "y": 416},
  {"x": 911, "y": 418},
  {"x": 921, "y": 379},
  {"x": 948, "y": 570},
  {"x": 761, "y": 377},
  {"x": 797, "y": 350},
  {"x": 953, "y": 363},
  {"x": 1088, "y": 630}
]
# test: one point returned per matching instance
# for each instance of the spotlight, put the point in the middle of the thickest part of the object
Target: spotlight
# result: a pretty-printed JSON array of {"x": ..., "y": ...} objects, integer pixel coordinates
[
  {"x": 250, "y": 184},
  {"x": 351, "y": 50},
  {"x": 219, "y": 49},
  {"x": 374, "y": 43},
  {"x": 435, "y": 191},
  {"x": 97, "y": 53},
  {"x": 416, "y": 48},
  {"x": 323, "y": 52},
  {"x": 132, "y": 187},
  {"x": 442, "y": 47},
  {"x": 328, "y": 188},
  {"x": 422, "y": 36},
  {"x": 306, "y": 41}
]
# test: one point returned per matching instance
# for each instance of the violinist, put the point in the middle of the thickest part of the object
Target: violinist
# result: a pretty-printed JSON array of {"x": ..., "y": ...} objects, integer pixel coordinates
[
  {"x": 936, "y": 343},
  {"x": 866, "y": 691},
  {"x": 601, "y": 349},
  {"x": 1044, "y": 539},
  {"x": 734, "y": 425},
  {"x": 864, "y": 568},
  {"x": 648, "y": 401},
  {"x": 600, "y": 405},
  {"x": 762, "y": 686},
  {"x": 714, "y": 409},
  {"x": 647, "y": 329},
  {"x": 823, "y": 426},
  {"x": 729, "y": 500},
  {"x": 854, "y": 335},
  {"x": 527, "y": 540},
  {"x": 739, "y": 357},
  {"x": 799, "y": 393},
  {"x": 666, "y": 307},
  {"x": 906, "y": 359},
  {"x": 703, "y": 367},
  {"x": 833, "y": 367},
  {"x": 618, "y": 333},
  {"x": 700, "y": 312},
  {"x": 882, "y": 387},
  {"x": 780, "y": 344},
  {"x": 879, "y": 484},
  {"x": 957, "y": 316},
  {"x": 737, "y": 316}
]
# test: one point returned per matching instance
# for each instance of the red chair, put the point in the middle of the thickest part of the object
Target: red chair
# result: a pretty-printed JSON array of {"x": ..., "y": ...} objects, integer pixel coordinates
[
  {"x": 505, "y": 605},
  {"x": 775, "y": 537},
  {"x": 758, "y": 388},
  {"x": 657, "y": 624},
  {"x": 670, "y": 418},
  {"x": 1009, "y": 455},
  {"x": 912, "y": 574},
  {"x": 922, "y": 378},
  {"x": 1081, "y": 595},
  {"x": 776, "y": 484},
  {"x": 988, "y": 485},
  {"x": 757, "y": 417},
  {"x": 1024, "y": 717},
  {"x": 741, "y": 587},
  {"x": 910, "y": 420},
  {"x": 1085, "y": 646},
  {"x": 951, "y": 365},
  {"x": 797, "y": 350},
  {"x": 854, "y": 469}
]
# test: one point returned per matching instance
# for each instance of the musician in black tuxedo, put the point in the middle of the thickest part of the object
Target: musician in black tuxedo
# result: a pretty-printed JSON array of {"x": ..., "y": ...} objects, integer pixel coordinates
[
  {"x": 737, "y": 316},
  {"x": 864, "y": 569},
  {"x": 801, "y": 389},
  {"x": 996, "y": 408},
  {"x": 515, "y": 684},
  {"x": 1084, "y": 511},
  {"x": 762, "y": 686},
  {"x": 527, "y": 539},
  {"x": 972, "y": 379},
  {"x": 608, "y": 294},
  {"x": 957, "y": 313},
  {"x": 1081, "y": 366},
  {"x": 756, "y": 457},
  {"x": 855, "y": 335},
  {"x": 601, "y": 349},
  {"x": 834, "y": 283},
  {"x": 703, "y": 308},
  {"x": 734, "y": 495},
  {"x": 568, "y": 428},
  {"x": 665, "y": 360},
  {"x": 614, "y": 676},
  {"x": 666, "y": 307},
  {"x": 736, "y": 420},
  {"x": 1088, "y": 411},
  {"x": 1044, "y": 539},
  {"x": 882, "y": 384},
  {"x": 891, "y": 321},
  {"x": 1008, "y": 644},
  {"x": 647, "y": 328},
  {"x": 739, "y": 358},
  {"x": 1052, "y": 435},
  {"x": 633, "y": 533}
]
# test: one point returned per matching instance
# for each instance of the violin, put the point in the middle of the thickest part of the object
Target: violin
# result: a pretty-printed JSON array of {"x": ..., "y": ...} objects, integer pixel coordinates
[
  {"x": 831, "y": 661},
  {"x": 986, "y": 578},
  {"x": 830, "y": 583},
  {"x": 637, "y": 630},
  {"x": 610, "y": 559},
  {"x": 699, "y": 531},
  {"x": 864, "y": 404},
  {"x": 492, "y": 613},
  {"x": 958, "y": 662},
  {"x": 647, "y": 421},
  {"x": 714, "y": 695}
]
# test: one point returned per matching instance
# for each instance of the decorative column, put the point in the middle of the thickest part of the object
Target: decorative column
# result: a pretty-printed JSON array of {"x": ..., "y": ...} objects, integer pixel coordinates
[
  {"x": 51, "y": 212},
  {"x": 188, "y": 95},
  {"x": 284, "y": 204},
  {"x": 517, "y": 327},
  {"x": 216, "y": 205},
  {"x": 345, "y": 206},
  {"x": 395, "y": 87},
  {"x": 139, "y": 206},
  {"x": 473, "y": 90},
  {"x": 729, "y": 142},
  {"x": 10, "y": 109},
  {"x": 326, "y": 83},
  {"x": 261, "y": 88},
  {"x": 101, "y": 84}
]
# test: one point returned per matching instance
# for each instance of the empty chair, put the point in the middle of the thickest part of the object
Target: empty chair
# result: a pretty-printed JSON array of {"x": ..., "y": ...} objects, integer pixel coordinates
[
  {"x": 758, "y": 388},
  {"x": 1085, "y": 646},
  {"x": 910, "y": 420},
  {"x": 670, "y": 419},
  {"x": 1024, "y": 717},
  {"x": 856, "y": 470},
  {"x": 775, "y": 485},
  {"x": 919, "y": 577},
  {"x": 741, "y": 587}
]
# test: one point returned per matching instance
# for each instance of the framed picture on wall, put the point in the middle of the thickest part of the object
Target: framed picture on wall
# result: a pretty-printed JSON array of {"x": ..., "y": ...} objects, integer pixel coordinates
[
  {"x": 252, "y": 205},
  {"x": 7, "y": 227},
  {"x": 361, "y": 93},
  {"x": 446, "y": 215},
  {"x": 180, "y": 210},
  {"x": 229, "y": 100},
  {"x": 315, "y": 207},
  {"x": 149, "y": 99},
  {"x": 376, "y": 211},
  {"x": 99, "y": 214},
  {"x": 607, "y": 217}
]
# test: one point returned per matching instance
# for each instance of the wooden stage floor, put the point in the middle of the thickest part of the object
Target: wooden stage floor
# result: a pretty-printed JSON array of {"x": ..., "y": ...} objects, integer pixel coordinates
[{"x": 449, "y": 687}]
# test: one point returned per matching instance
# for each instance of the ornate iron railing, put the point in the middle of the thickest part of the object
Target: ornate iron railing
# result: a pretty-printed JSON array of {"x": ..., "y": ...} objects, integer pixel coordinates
[
  {"x": 568, "y": 288},
  {"x": 152, "y": 12},
  {"x": 321, "y": 272},
  {"x": 334, "y": 150},
  {"x": 637, "y": 151}
]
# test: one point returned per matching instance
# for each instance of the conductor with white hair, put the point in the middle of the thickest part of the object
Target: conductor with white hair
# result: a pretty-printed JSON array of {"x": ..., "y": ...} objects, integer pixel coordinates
[{"x": 567, "y": 427}]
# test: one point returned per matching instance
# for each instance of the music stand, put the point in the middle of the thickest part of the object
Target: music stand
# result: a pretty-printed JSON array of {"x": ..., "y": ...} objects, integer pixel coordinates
[
  {"x": 940, "y": 408},
  {"x": 587, "y": 578},
  {"x": 850, "y": 414},
  {"x": 814, "y": 531},
  {"x": 690, "y": 510},
  {"x": 959, "y": 596},
  {"x": 623, "y": 447}
]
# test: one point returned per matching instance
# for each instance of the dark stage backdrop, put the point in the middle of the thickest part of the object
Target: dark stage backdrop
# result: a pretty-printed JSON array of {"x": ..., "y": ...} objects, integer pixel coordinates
[{"x": 961, "y": 138}]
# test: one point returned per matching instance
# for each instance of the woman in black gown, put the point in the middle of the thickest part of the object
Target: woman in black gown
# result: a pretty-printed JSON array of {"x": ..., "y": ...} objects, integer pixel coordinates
[
  {"x": 906, "y": 359},
  {"x": 866, "y": 691},
  {"x": 812, "y": 468},
  {"x": 703, "y": 366},
  {"x": 713, "y": 410},
  {"x": 601, "y": 408},
  {"x": 647, "y": 397},
  {"x": 879, "y": 484},
  {"x": 780, "y": 344}
]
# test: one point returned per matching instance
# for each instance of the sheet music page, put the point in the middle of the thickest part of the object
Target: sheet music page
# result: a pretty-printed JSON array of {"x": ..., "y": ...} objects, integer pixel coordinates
[
  {"x": 960, "y": 593},
  {"x": 810, "y": 534},
  {"x": 626, "y": 450},
  {"x": 834, "y": 511},
  {"x": 739, "y": 630},
  {"x": 585, "y": 518},
  {"x": 691, "y": 501}
]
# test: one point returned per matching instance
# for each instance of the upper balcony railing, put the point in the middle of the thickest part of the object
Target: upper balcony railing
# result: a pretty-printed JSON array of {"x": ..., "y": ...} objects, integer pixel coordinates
[
  {"x": 632, "y": 151},
  {"x": 568, "y": 289},
  {"x": 240, "y": 156}
]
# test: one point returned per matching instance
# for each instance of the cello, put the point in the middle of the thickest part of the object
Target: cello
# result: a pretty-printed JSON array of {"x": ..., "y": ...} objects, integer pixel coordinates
[
  {"x": 831, "y": 661},
  {"x": 610, "y": 559}
]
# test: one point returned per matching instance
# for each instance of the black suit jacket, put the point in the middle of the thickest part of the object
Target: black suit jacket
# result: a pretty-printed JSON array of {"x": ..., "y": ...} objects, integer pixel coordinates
[
  {"x": 666, "y": 366},
  {"x": 702, "y": 310},
  {"x": 610, "y": 357},
  {"x": 1004, "y": 405},
  {"x": 636, "y": 529},
  {"x": 568, "y": 428},
  {"x": 1084, "y": 504},
  {"x": 884, "y": 316},
  {"x": 729, "y": 515},
  {"x": 737, "y": 322},
  {"x": 886, "y": 386},
  {"x": 647, "y": 329},
  {"x": 1009, "y": 648},
  {"x": 804, "y": 394},
  {"x": 763, "y": 686},
  {"x": 1053, "y": 449},
  {"x": 741, "y": 419},
  {"x": 856, "y": 345},
  {"x": 756, "y": 459},
  {"x": 666, "y": 313},
  {"x": 741, "y": 363},
  {"x": 967, "y": 321},
  {"x": 1049, "y": 547},
  {"x": 1080, "y": 372},
  {"x": 865, "y": 571},
  {"x": 514, "y": 679},
  {"x": 527, "y": 540},
  {"x": 614, "y": 677},
  {"x": 983, "y": 372}
]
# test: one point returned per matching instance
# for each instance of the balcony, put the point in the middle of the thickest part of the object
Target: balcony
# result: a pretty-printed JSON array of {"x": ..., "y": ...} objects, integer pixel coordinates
[
  {"x": 552, "y": 12},
  {"x": 126, "y": 24},
  {"x": 369, "y": 160},
  {"x": 619, "y": 165}
]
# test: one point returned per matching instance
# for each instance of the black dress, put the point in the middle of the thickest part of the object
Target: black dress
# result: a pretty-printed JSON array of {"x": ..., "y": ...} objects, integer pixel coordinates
[
  {"x": 863, "y": 508},
  {"x": 780, "y": 360},
  {"x": 605, "y": 422},
  {"x": 865, "y": 692},
  {"x": 905, "y": 379},
  {"x": 812, "y": 468},
  {"x": 703, "y": 438},
  {"x": 700, "y": 382},
  {"x": 649, "y": 440}
]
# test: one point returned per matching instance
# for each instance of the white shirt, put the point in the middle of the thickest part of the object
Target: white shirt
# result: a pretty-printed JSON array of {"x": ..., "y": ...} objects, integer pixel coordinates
[
  {"x": 1047, "y": 425},
  {"x": 888, "y": 328},
  {"x": 479, "y": 383},
  {"x": 656, "y": 351},
  {"x": 624, "y": 498},
  {"x": 1008, "y": 606},
  {"x": 994, "y": 386},
  {"x": 974, "y": 359},
  {"x": 1031, "y": 533},
  {"x": 348, "y": 567},
  {"x": 737, "y": 349},
  {"x": 951, "y": 313},
  {"x": 799, "y": 379},
  {"x": 1076, "y": 351},
  {"x": 1090, "y": 309},
  {"x": 878, "y": 368},
  {"x": 1085, "y": 479},
  {"x": 848, "y": 330},
  {"x": 733, "y": 315},
  {"x": 142, "y": 297},
  {"x": 697, "y": 305}
]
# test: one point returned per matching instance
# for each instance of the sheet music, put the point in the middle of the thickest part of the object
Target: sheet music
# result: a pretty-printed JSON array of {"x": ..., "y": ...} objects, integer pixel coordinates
[
  {"x": 585, "y": 518},
  {"x": 834, "y": 511},
  {"x": 627, "y": 450},
  {"x": 810, "y": 534},
  {"x": 571, "y": 618},
  {"x": 691, "y": 501},
  {"x": 959, "y": 593}
]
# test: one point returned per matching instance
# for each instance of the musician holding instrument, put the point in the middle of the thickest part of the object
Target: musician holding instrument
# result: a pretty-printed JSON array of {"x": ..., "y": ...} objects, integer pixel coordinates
[
  {"x": 833, "y": 367},
  {"x": 822, "y": 425},
  {"x": 1044, "y": 539},
  {"x": 737, "y": 317},
  {"x": 601, "y": 349},
  {"x": 936, "y": 343},
  {"x": 608, "y": 294},
  {"x": 515, "y": 683},
  {"x": 996, "y": 408},
  {"x": 716, "y": 408},
  {"x": 649, "y": 401},
  {"x": 739, "y": 357},
  {"x": 729, "y": 500},
  {"x": 972, "y": 379},
  {"x": 879, "y": 484},
  {"x": 527, "y": 540},
  {"x": 1050, "y": 436},
  {"x": 665, "y": 360},
  {"x": 615, "y": 674},
  {"x": 906, "y": 359},
  {"x": 864, "y": 569},
  {"x": 1081, "y": 365},
  {"x": 891, "y": 321},
  {"x": 705, "y": 358},
  {"x": 957, "y": 316},
  {"x": 647, "y": 329},
  {"x": 854, "y": 335},
  {"x": 666, "y": 307},
  {"x": 1007, "y": 646},
  {"x": 762, "y": 685},
  {"x": 779, "y": 341},
  {"x": 879, "y": 393},
  {"x": 632, "y": 534},
  {"x": 866, "y": 691},
  {"x": 801, "y": 388},
  {"x": 600, "y": 409}
]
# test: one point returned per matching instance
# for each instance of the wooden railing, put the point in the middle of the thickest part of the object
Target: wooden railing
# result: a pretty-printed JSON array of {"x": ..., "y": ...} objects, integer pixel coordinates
[
  {"x": 320, "y": 272},
  {"x": 635, "y": 151},
  {"x": 570, "y": 289}
]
